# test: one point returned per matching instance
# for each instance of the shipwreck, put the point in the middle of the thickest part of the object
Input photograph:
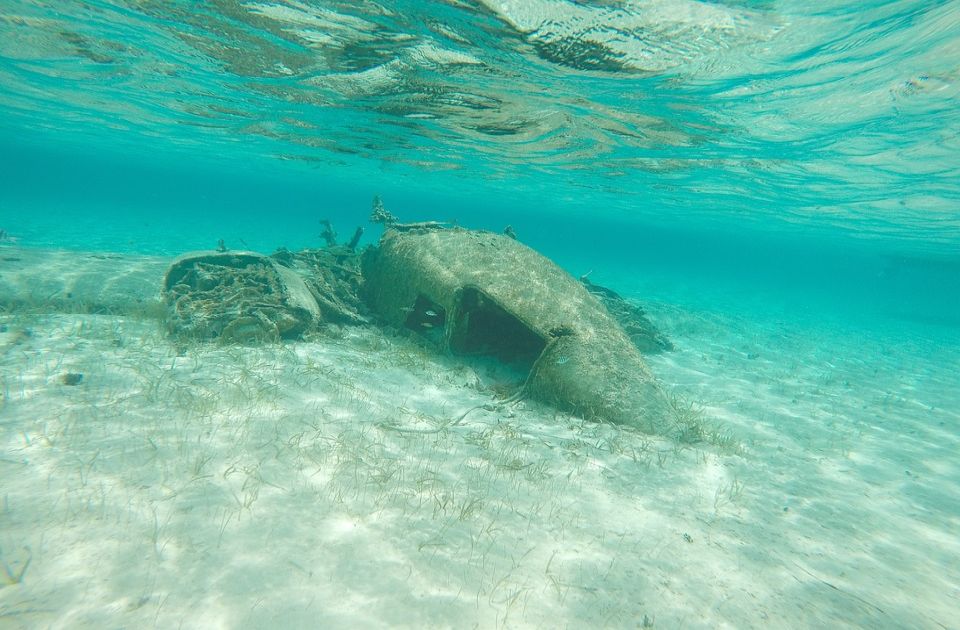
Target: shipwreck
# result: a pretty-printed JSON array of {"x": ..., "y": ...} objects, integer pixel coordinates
[
  {"x": 473, "y": 292},
  {"x": 464, "y": 292}
]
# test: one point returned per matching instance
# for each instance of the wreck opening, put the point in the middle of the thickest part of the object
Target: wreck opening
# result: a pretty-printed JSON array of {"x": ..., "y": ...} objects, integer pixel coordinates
[
  {"x": 427, "y": 318},
  {"x": 483, "y": 327}
]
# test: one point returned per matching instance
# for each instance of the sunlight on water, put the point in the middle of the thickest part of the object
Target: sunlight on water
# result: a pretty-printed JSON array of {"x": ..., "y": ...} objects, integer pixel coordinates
[{"x": 814, "y": 114}]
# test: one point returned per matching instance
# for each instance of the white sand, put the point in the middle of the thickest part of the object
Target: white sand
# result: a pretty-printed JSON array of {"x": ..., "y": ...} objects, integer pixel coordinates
[{"x": 240, "y": 487}]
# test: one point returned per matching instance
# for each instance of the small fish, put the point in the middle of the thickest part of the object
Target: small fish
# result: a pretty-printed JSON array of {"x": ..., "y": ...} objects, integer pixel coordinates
[
  {"x": 426, "y": 325},
  {"x": 429, "y": 313}
]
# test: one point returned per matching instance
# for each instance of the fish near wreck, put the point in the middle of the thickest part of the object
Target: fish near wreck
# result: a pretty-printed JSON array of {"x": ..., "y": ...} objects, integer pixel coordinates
[{"x": 477, "y": 292}]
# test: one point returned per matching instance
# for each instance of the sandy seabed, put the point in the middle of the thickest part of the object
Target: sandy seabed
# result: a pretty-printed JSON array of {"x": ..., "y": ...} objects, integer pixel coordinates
[{"x": 324, "y": 484}]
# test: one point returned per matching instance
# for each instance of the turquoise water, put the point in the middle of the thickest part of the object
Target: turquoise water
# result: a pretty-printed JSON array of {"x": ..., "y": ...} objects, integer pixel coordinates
[
  {"x": 810, "y": 147},
  {"x": 756, "y": 172}
]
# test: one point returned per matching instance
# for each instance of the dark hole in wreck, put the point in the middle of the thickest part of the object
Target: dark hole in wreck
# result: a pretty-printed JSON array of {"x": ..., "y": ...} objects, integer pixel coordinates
[
  {"x": 427, "y": 318},
  {"x": 483, "y": 327},
  {"x": 480, "y": 328}
]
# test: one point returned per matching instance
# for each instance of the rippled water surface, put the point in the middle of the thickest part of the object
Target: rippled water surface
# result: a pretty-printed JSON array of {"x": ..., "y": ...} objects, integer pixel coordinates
[{"x": 837, "y": 116}]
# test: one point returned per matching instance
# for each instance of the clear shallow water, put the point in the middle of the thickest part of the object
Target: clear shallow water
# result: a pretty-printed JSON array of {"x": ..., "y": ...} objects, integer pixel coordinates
[{"x": 778, "y": 182}]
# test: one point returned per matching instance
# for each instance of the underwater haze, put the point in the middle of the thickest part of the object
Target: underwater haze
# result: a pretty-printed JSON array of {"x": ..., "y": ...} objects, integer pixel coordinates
[{"x": 775, "y": 183}]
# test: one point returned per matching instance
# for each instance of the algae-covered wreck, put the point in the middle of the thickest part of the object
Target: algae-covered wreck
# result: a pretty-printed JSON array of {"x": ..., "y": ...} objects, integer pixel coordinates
[
  {"x": 236, "y": 297},
  {"x": 464, "y": 291},
  {"x": 474, "y": 292}
]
